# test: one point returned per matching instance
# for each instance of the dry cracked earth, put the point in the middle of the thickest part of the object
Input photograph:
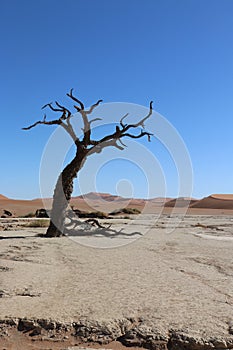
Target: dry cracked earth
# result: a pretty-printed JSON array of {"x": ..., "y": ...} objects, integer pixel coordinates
[{"x": 154, "y": 282}]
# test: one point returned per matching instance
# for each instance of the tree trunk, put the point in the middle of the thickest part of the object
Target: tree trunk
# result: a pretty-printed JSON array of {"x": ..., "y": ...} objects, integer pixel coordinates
[{"x": 62, "y": 195}]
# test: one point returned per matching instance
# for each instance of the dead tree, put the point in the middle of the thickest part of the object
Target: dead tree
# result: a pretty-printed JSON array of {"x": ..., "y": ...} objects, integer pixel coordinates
[{"x": 85, "y": 146}]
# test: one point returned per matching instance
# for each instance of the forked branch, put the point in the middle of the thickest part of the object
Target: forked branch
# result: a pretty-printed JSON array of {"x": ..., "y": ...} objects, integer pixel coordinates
[
  {"x": 94, "y": 106},
  {"x": 64, "y": 120},
  {"x": 141, "y": 122},
  {"x": 123, "y": 131},
  {"x": 94, "y": 146},
  {"x": 70, "y": 94},
  {"x": 52, "y": 122}
]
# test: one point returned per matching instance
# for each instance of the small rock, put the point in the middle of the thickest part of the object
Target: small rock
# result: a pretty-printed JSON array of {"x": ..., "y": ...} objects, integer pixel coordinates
[
  {"x": 26, "y": 325},
  {"x": 46, "y": 324},
  {"x": 36, "y": 331}
]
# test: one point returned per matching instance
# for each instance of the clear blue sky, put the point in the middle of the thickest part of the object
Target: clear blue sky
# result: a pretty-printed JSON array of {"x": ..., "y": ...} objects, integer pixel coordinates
[{"x": 177, "y": 52}]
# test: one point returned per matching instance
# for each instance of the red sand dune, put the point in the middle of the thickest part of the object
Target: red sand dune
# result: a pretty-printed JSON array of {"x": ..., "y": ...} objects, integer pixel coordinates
[
  {"x": 216, "y": 201},
  {"x": 160, "y": 199},
  {"x": 107, "y": 202},
  {"x": 223, "y": 196},
  {"x": 180, "y": 202},
  {"x": 95, "y": 196},
  {"x": 20, "y": 207},
  {"x": 3, "y": 197},
  {"x": 105, "y": 197}
]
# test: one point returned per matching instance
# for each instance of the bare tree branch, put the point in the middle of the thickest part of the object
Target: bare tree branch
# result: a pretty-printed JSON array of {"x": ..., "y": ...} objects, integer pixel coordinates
[
  {"x": 121, "y": 121},
  {"x": 143, "y": 133},
  {"x": 96, "y": 145},
  {"x": 66, "y": 115},
  {"x": 47, "y": 104},
  {"x": 86, "y": 129},
  {"x": 70, "y": 94},
  {"x": 94, "y": 120},
  {"x": 98, "y": 148},
  {"x": 115, "y": 144},
  {"x": 142, "y": 121},
  {"x": 121, "y": 132},
  {"x": 87, "y": 124},
  {"x": 67, "y": 127},
  {"x": 93, "y": 106},
  {"x": 68, "y": 121},
  {"x": 64, "y": 109},
  {"x": 122, "y": 143},
  {"x": 52, "y": 122},
  {"x": 52, "y": 108}
]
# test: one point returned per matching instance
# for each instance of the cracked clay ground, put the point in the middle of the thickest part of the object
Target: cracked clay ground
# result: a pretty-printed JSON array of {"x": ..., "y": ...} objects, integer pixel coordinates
[{"x": 182, "y": 280}]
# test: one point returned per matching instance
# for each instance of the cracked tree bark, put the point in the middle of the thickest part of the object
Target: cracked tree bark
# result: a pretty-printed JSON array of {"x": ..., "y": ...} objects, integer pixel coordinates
[{"x": 62, "y": 195}]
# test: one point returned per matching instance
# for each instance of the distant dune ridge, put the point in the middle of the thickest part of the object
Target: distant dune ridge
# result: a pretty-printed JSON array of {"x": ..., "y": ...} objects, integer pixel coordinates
[
  {"x": 3, "y": 197},
  {"x": 181, "y": 202},
  {"x": 215, "y": 201},
  {"x": 107, "y": 202}
]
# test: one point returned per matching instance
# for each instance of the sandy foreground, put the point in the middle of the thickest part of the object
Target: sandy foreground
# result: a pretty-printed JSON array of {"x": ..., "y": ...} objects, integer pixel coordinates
[{"x": 143, "y": 285}]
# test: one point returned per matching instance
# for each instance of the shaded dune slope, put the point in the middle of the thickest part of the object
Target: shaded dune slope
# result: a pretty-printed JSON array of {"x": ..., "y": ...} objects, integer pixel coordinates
[{"x": 215, "y": 201}]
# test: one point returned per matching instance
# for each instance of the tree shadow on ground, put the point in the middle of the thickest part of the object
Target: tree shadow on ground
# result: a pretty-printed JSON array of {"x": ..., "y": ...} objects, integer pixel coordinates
[
  {"x": 12, "y": 237},
  {"x": 92, "y": 228},
  {"x": 96, "y": 232},
  {"x": 101, "y": 232}
]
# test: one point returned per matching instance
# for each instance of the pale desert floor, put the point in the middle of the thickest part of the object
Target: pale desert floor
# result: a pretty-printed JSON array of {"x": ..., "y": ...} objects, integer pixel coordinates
[{"x": 144, "y": 280}]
